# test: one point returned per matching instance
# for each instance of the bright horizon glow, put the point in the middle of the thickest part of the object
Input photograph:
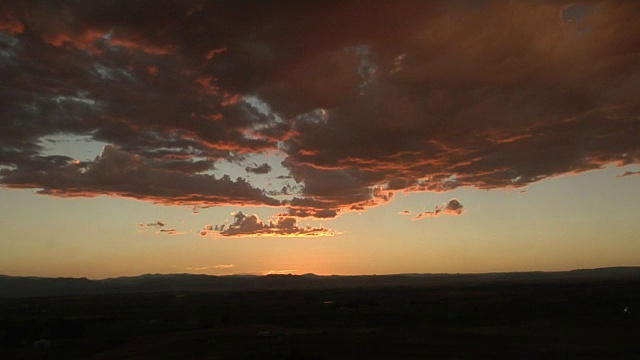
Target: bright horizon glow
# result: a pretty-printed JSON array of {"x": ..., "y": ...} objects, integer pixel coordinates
[{"x": 108, "y": 246}]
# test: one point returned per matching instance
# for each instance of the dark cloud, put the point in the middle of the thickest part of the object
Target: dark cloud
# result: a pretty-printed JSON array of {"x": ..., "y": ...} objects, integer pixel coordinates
[
  {"x": 120, "y": 173},
  {"x": 259, "y": 169},
  {"x": 156, "y": 224},
  {"x": 628, "y": 173},
  {"x": 170, "y": 232},
  {"x": 481, "y": 101},
  {"x": 452, "y": 207},
  {"x": 159, "y": 225},
  {"x": 250, "y": 225},
  {"x": 413, "y": 96},
  {"x": 287, "y": 189}
]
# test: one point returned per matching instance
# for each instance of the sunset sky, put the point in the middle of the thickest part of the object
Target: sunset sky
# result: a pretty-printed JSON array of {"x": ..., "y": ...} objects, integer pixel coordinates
[{"x": 332, "y": 137}]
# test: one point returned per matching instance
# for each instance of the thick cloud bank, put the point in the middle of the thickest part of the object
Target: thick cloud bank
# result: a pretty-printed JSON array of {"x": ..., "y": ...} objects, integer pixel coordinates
[{"x": 362, "y": 99}]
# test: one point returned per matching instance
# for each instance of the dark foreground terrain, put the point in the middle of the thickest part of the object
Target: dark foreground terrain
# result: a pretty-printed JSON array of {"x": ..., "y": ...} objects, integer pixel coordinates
[{"x": 567, "y": 318}]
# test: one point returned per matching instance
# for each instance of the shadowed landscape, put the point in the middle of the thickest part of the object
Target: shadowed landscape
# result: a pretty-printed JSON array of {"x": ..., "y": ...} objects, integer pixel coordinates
[{"x": 581, "y": 314}]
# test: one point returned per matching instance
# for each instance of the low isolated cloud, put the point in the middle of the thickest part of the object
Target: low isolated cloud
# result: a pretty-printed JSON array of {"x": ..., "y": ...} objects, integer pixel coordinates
[
  {"x": 280, "y": 272},
  {"x": 223, "y": 266},
  {"x": 207, "y": 229},
  {"x": 404, "y": 212},
  {"x": 171, "y": 232},
  {"x": 200, "y": 268},
  {"x": 452, "y": 207},
  {"x": 251, "y": 226},
  {"x": 196, "y": 268},
  {"x": 156, "y": 224}
]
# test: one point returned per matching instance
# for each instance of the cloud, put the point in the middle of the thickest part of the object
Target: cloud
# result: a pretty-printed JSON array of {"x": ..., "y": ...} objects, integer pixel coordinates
[
  {"x": 171, "y": 232},
  {"x": 197, "y": 268},
  {"x": 259, "y": 169},
  {"x": 404, "y": 212},
  {"x": 251, "y": 226},
  {"x": 200, "y": 268},
  {"x": 120, "y": 173},
  {"x": 10, "y": 24},
  {"x": 279, "y": 272},
  {"x": 440, "y": 113},
  {"x": 223, "y": 266},
  {"x": 206, "y": 230},
  {"x": 159, "y": 226},
  {"x": 412, "y": 97},
  {"x": 156, "y": 224},
  {"x": 628, "y": 173},
  {"x": 452, "y": 207}
]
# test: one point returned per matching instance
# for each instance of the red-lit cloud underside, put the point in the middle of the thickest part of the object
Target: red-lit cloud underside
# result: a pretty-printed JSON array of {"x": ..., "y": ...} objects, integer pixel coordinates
[{"x": 366, "y": 99}]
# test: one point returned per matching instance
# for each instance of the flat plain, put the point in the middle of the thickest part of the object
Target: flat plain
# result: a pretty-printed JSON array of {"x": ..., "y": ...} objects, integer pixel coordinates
[{"x": 527, "y": 319}]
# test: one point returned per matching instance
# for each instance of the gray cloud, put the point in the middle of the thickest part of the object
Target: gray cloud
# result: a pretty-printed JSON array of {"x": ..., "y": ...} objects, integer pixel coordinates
[
  {"x": 156, "y": 224},
  {"x": 117, "y": 172},
  {"x": 250, "y": 225},
  {"x": 628, "y": 173},
  {"x": 259, "y": 169}
]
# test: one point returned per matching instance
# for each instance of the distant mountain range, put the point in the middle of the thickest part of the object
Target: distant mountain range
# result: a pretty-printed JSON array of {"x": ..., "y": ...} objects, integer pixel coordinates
[{"x": 18, "y": 286}]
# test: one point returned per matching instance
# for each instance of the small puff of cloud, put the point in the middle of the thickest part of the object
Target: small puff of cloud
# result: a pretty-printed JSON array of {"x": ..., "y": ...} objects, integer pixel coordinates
[
  {"x": 171, "y": 232},
  {"x": 156, "y": 224},
  {"x": 259, "y": 169},
  {"x": 452, "y": 207}
]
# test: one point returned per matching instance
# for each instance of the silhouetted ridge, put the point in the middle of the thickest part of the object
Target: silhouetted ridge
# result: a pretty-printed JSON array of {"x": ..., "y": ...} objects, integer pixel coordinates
[{"x": 27, "y": 286}]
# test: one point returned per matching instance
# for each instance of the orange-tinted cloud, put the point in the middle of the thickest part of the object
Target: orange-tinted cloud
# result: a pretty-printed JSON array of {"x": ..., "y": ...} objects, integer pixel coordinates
[
  {"x": 223, "y": 266},
  {"x": 452, "y": 207},
  {"x": 139, "y": 46},
  {"x": 10, "y": 24},
  {"x": 215, "y": 52},
  {"x": 414, "y": 96}
]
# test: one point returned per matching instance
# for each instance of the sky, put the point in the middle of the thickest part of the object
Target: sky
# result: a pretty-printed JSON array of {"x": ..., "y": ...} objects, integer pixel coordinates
[{"x": 327, "y": 137}]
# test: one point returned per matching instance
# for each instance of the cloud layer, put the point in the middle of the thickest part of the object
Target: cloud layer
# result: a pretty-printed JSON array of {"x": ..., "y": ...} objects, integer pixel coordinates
[{"x": 362, "y": 99}]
